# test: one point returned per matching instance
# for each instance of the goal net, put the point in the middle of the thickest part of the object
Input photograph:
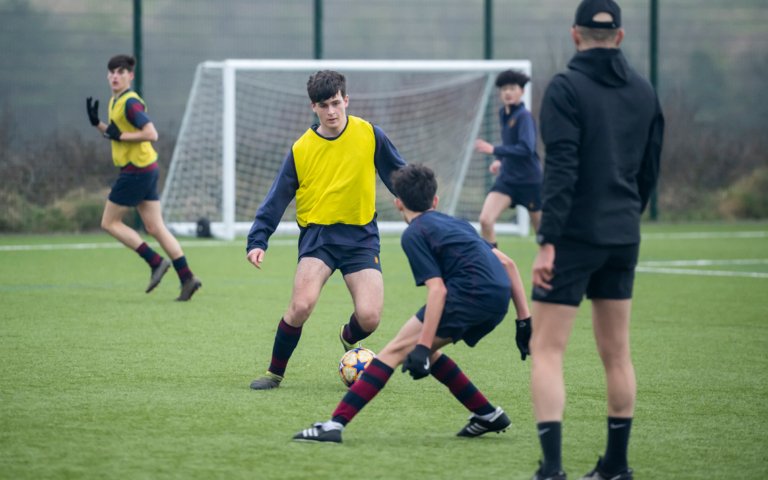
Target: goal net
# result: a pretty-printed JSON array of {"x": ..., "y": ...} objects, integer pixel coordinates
[{"x": 243, "y": 116}]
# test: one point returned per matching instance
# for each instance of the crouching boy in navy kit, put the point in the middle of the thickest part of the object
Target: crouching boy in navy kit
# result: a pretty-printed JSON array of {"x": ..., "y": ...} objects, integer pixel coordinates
[{"x": 468, "y": 291}]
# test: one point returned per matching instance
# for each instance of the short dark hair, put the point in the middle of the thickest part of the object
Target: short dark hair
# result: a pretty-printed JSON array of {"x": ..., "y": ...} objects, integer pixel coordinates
[
  {"x": 324, "y": 84},
  {"x": 508, "y": 77},
  {"x": 121, "y": 61},
  {"x": 415, "y": 185}
]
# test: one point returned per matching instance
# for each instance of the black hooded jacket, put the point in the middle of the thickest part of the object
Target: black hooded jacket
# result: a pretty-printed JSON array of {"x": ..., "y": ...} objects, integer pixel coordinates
[{"x": 602, "y": 127}]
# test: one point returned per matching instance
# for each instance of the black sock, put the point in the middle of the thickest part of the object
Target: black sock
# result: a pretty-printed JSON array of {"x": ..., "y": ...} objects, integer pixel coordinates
[
  {"x": 615, "y": 459},
  {"x": 550, "y": 437}
]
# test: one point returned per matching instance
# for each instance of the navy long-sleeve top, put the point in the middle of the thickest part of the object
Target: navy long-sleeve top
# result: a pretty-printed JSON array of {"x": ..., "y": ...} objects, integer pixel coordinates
[
  {"x": 386, "y": 160},
  {"x": 520, "y": 162}
]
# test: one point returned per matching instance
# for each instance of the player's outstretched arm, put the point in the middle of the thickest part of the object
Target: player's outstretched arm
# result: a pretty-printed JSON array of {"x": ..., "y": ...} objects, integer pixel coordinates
[
  {"x": 518, "y": 288},
  {"x": 523, "y": 320}
]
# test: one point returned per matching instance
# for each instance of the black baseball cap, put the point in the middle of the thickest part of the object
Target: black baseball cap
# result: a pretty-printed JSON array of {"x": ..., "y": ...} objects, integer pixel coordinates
[{"x": 587, "y": 9}]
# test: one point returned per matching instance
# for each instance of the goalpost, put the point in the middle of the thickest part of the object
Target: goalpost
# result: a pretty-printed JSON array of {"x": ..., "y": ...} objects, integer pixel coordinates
[{"x": 242, "y": 117}]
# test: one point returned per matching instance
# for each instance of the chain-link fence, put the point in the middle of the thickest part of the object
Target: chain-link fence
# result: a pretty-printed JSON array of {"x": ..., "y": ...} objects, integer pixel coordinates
[{"x": 713, "y": 62}]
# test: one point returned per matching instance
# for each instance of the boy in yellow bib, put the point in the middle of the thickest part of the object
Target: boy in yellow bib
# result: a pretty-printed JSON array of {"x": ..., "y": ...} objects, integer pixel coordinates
[
  {"x": 131, "y": 131},
  {"x": 331, "y": 171}
]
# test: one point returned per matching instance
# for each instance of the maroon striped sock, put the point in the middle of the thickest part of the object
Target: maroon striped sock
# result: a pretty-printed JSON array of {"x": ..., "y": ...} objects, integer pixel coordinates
[
  {"x": 182, "y": 270},
  {"x": 449, "y": 374},
  {"x": 150, "y": 256},
  {"x": 362, "y": 391},
  {"x": 353, "y": 332},
  {"x": 286, "y": 339}
]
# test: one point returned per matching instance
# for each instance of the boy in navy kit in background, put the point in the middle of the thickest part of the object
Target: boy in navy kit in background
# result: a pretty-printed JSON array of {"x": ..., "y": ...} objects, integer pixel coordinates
[
  {"x": 131, "y": 131},
  {"x": 468, "y": 290},
  {"x": 517, "y": 163},
  {"x": 331, "y": 171}
]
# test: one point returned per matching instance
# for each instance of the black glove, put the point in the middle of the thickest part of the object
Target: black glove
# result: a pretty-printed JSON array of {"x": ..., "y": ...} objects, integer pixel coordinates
[
  {"x": 93, "y": 110},
  {"x": 417, "y": 362},
  {"x": 113, "y": 132},
  {"x": 523, "y": 336}
]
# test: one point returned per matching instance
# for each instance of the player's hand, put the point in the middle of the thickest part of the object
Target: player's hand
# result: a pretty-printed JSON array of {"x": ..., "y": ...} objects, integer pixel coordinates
[
  {"x": 483, "y": 147},
  {"x": 495, "y": 167},
  {"x": 92, "y": 107},
  {"x": 417, "y": 362},
  {"x": 523, "y": 336},
  {"x": 112, "y": 132},
  {"x": 256, "y": 256},
  {"x": 543, "y": 267}
]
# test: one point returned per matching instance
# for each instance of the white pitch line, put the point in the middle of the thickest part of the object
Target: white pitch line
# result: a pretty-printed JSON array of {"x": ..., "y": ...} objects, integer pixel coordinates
[
  {"x": 703, "y": 263},
  {"x": 703, "y": 235},
  {"x": 708, "y": 273}
]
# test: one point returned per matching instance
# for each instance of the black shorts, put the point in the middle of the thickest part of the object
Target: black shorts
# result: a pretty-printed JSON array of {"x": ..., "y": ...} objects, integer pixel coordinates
[
  {"x": 461, "y": 323},
  {"x": 527, "y": 195},
  {"x": 132, "y": 188},
  {"x": 600, "y": 272},
  {"x": 345, "y": 258}
]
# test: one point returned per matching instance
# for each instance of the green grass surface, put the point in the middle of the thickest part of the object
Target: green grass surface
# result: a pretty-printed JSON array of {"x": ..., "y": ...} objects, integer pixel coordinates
[{"x": 99, "y": 380}]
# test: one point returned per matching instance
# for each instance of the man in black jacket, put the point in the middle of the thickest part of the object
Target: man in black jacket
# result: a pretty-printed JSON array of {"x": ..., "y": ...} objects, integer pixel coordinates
[{"x": 602, "y": 127}]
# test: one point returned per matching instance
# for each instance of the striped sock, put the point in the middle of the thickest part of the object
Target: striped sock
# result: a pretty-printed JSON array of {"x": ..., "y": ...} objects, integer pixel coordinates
[
  {"x": 286, "y": 339},
  {"x": 353, "y": 332},
  {"x": 182, "y": 270},
  {"x": 150, "y": 256},
  {"x": 449, "y": 374},
  {"x": 370, "y": 383}
]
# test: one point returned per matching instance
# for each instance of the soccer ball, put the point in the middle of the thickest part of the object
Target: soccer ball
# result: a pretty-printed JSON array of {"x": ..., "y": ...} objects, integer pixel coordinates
[{"x": 353, "y": 363}]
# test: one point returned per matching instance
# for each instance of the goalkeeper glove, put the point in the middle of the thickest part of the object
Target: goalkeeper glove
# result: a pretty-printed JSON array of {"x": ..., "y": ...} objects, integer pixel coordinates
[
  {"x": 417, "y": 362},
  {"x": 523, "y": 336},
  {"x": 112, "y": 132},
  {"x": 93, "y": 110}
]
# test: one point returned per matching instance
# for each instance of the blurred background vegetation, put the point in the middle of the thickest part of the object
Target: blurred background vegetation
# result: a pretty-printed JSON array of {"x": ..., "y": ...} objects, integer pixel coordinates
[{"x": 55, "y": 170}]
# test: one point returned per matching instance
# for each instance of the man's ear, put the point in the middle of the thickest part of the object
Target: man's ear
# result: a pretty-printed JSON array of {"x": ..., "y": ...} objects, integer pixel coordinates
[
  {"x": 619, "y": 37},
  {"x": 398, "y": 204},
  {"x": 576, "y": 37},
  {"x": 435, "y": 201}
]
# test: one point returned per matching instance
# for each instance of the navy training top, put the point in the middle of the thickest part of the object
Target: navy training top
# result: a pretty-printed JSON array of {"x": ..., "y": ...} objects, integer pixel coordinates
[
  {"x": 439, "y": 245},
  {"x": 520, "y": 162}
]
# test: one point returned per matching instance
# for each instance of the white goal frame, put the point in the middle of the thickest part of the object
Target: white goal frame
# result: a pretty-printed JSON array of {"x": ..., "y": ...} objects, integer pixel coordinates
[{"x": 229, "y": 228}]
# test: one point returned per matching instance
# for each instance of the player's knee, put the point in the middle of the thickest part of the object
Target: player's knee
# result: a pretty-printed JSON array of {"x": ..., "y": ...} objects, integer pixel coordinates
[
  {"x": 368, "y": 318},
  {"x": 108, "y": 225},
  {"x": 486, "y": 221},
  {"x": 153, "y": 228},
  {"x": 301, "y": 308}
]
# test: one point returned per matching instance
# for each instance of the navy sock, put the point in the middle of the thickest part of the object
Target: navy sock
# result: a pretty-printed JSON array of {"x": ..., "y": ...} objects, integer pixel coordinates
[
  {"x": 150, "y": 256},
  {"x": 286, "y": 339},
  {"x": 550, "y": 438},
  {"x": 615, "y": 459},
  {"x": 449, "y": 374},
  {"x": 182, "y": 270},
  {"x": 370, "y": 383},
  {"x": 353, "y": 332}
]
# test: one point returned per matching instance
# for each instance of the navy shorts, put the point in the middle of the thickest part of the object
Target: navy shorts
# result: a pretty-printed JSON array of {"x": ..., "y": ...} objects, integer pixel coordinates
[
  {"x": 600, "y": 272},
  {"x": 461, "y": 323},
  {"x": 527, "y": 195},
  {"x": 345, "y": 258},
  {"x": 132, "y": 188}
]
